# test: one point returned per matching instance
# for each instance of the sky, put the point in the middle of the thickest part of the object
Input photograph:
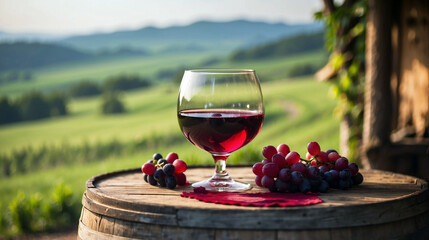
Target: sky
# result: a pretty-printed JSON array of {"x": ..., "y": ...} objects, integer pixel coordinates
[{"x": 68, "y": 17}]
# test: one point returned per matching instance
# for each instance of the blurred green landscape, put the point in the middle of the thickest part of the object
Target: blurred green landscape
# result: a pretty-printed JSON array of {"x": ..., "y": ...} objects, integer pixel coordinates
[{"x": 37, "y": 155}]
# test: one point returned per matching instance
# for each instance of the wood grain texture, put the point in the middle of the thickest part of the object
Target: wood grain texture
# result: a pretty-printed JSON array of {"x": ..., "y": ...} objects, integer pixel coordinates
[{"x": 121, "y": 204}]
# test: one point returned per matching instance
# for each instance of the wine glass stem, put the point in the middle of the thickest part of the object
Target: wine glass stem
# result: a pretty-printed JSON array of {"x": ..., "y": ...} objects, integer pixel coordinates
[{"x": 220, "y": 165}]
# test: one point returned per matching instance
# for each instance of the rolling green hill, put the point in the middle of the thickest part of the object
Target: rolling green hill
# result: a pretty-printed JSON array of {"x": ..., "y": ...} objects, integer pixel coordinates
[
  {"x": 61, "y": 77},
  {"x": 301, "y": 43}
]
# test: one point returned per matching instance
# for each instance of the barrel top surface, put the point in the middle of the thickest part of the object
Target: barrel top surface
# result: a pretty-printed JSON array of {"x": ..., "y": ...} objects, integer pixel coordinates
[
  {"x": 129, "y": 186},
  {"x": 383, "y": 196}
]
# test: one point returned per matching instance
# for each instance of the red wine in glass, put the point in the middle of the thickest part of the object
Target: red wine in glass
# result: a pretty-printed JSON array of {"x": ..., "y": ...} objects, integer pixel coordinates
[{"x": 220, "y": 131}]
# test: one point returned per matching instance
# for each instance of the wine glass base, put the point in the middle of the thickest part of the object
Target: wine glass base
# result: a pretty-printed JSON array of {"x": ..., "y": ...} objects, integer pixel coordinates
[{"x": 214, "y": 184}]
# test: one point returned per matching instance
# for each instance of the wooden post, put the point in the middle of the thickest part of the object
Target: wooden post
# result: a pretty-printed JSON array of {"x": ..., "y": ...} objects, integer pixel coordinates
[{"x": 377, "y": 118}]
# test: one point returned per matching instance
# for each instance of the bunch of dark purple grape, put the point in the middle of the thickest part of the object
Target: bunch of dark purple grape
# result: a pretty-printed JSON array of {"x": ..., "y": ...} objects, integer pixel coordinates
[
  {"x": 285, "y": 171},
  {"x": 168, "y": 172}
]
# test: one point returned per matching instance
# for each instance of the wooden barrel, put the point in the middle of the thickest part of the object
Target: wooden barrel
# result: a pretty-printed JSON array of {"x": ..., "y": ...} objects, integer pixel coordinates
[{"x": 120, "y": 205}]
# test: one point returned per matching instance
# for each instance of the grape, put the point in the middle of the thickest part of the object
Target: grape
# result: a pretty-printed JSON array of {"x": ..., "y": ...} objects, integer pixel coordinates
[
  {"x": 341, "y": 163},
  {"x": 294, "y": 188},
  {"x": 168, "y": 169},
  {"x": 315, "y": 182},
  {"x": 162, "y": 182},
  {"x": 331, "y": 150},
  {"x": 269, "y": 151},
  {"x": 162, "y": 162},
  {"x": 152, "y": 180},
  {"x": 181, "y": 179},
  {"x": 292, "y": 158},
  {"x": 290, "y": 173},
  {"x": 166, "y": 173},
  {"x": 344, "y": 184},
  {"x": 334, "y": 184},
  {"x": 257, "y": 169},
  {"x": 323, "y": 169},
  {"x": 153, "y": 161},
  {"x": 258, "y": 180},
  {"x": 313, "y": 172},
  {"x": 282, "y": 186},
  {"x": 335, "y": 174},
  {"x": 148, "y": 168},
  {"x": 171, "y": 182},
  {"x": 159, "y": 174},
  {"x": 322, "y": 157},
  {"x": 328, "y": 176},
  {"x": 297, "y": 177},
  {"x": 284, "y": 174},
  {"x": 145, "y": 177},
  {"x": 283, "y": 148},
  {"x": 345, "y": 174},
  {"x": 265, "y": 161},
  {"x": 358, "y": 179},
  {"x": 157, "y": 156},
  {"x": 323, "y": 187},
  {"x": 273, "y": 188},
  {"x": 279, "y": 160},
  {"x": 300, "y": 167},
  {"x": 267, "y": 181},
  {"x": 354, "y": 169},
  {"x": 313, "y": 148},
  {"x": 333, "y": 156},
  {"x": 270, "y": 170},
  {"x": 180, "y": 166},
  {"x": 305, "y": 186},
  {"x": 171, "y": 157}
]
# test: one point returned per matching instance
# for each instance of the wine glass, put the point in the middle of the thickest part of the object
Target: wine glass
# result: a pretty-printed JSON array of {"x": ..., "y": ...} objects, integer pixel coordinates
[{"x": 220, "y": 111}]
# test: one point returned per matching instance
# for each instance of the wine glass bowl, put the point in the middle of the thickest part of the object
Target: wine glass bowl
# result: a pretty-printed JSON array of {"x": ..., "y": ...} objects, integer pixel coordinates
[{"x": 220, "y": 111}]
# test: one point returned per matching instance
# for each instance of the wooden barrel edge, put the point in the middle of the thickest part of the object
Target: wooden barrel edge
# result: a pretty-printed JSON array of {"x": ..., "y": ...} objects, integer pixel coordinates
[
  {"x": 279, "y": 218},
  {"x": 130, "y": 215},
  {"x": 95, "y": 226}
]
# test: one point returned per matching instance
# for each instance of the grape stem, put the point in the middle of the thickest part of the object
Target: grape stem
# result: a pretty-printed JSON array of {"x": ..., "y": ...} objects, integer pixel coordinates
[{"x": 314, "y": 158}]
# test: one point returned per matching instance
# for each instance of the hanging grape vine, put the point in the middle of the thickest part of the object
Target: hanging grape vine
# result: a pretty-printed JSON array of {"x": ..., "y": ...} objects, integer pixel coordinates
[{"x": 345, "y": 39}]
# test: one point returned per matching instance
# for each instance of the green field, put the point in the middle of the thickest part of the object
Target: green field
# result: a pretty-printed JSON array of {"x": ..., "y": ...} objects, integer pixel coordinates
[
  {"x": 63, "y": 76},
  {"x": 298, "y": 110}
]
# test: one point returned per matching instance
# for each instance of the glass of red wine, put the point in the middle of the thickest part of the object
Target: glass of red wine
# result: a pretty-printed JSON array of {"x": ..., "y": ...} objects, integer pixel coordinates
[{"x": 220, "y": 111}]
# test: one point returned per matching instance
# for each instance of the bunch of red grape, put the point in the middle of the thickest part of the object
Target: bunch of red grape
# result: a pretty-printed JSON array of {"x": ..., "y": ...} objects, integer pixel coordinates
[
  {"x": 285, "y": 171},
  {"x": 168, "y": 172}
]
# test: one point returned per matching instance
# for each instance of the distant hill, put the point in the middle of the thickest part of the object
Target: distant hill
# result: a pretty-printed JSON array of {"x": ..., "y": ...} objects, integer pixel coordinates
[
  {"x": 22, "y": 55},
  {"x": 290, "y": 45},
  {"x": 33, "y": 37},
  {"x": 25, "y": 55},
  {"x": 203, "y": 34}
]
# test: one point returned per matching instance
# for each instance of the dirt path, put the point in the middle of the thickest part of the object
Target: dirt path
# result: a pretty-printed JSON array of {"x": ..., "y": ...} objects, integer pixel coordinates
[{"x": 290, "y": 108}]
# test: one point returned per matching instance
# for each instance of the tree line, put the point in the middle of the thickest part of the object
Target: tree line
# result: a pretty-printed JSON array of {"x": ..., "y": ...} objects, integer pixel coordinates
[
  {"x": 37, "y": 105},
  {"x": 32, "y": 106}
]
